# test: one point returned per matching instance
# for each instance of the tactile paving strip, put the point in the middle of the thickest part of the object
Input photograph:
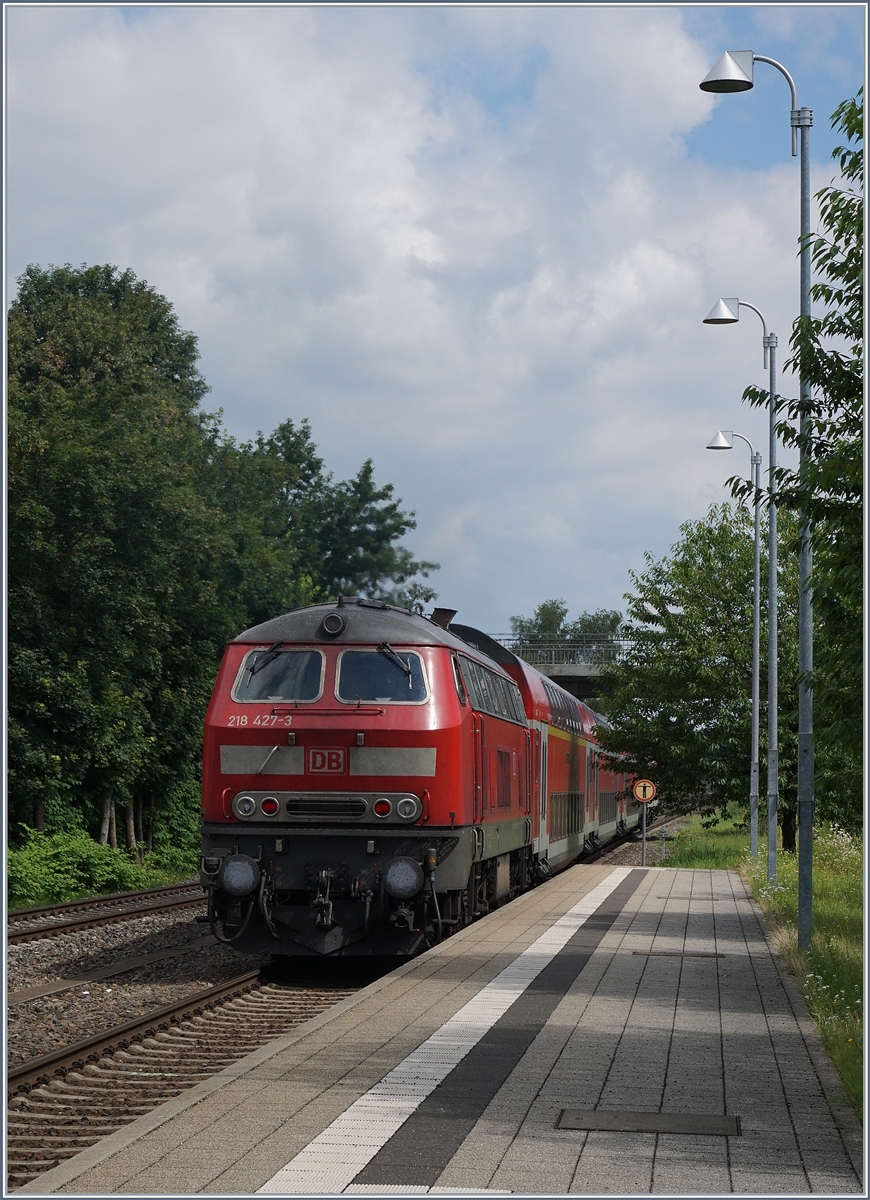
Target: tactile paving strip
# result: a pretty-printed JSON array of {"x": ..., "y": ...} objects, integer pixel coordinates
[{"x": 337, "y": 1155}]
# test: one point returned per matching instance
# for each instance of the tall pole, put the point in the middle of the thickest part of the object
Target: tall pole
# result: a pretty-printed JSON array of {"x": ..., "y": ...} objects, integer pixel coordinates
[
  {"x": 756, "y": 658},
  {"x": 734, "y": 73},
  {"x": 772, "y": 629},
  {"x": 727, "y": 315},
  {"x": 721, "y": 442},
  {"x": 803, "y": 119}
]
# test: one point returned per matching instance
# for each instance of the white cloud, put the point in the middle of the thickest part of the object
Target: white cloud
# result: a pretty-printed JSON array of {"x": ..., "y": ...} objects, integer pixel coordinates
[{"x": 465, "y": 242}]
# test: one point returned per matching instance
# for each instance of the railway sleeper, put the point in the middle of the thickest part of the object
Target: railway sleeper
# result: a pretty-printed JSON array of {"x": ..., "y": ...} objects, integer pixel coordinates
[
  {"x": 42, "y": 1106},
  {"x": 66, "y": 1151},
  {"x": 167, "y": 1049},
  {"x": 48, "y": 1140},
  {"x": 179, "y": 1041},
  {"x": 147, "y": 1055},
  {"x": 22, "y": 1132},
  {"x": 151, "y": 1084},
  {"x": 108, "y": 1092},
  {"x": 29, "y": 1167}
]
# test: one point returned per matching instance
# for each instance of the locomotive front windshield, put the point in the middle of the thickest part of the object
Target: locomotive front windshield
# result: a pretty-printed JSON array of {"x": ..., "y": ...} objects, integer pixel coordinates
[
  {"x": 280, "y": 675},
  {"x": 385, "y": 676}
]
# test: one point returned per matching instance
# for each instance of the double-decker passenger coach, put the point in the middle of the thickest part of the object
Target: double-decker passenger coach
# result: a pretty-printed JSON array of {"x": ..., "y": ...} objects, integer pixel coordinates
[{"x": 373, "y": 780}]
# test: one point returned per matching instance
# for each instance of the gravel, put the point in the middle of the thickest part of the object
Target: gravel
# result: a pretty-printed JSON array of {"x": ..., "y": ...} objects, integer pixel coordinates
[
  {"x": 69, "y": 954},
  {"x": 629, "y": 855},
  {"x": 39, "y": 1026}
]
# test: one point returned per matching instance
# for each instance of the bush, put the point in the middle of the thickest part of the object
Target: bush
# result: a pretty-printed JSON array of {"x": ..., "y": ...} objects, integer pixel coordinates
[
  {"x": 51, "y": 868},
  {"x": 170, "y": 863}
]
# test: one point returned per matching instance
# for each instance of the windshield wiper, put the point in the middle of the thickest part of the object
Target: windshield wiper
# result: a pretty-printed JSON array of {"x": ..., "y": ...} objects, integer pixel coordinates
[
  {"x": 387, "y": 649},
  {"x": 266, "y": 657}
]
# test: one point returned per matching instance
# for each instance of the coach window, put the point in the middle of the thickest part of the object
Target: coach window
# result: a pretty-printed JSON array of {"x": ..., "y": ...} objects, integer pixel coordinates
[
  {"x": 280, "y": 675},
  {"x": 382, "y": 676},
  {"x": 499, "y": 695}
]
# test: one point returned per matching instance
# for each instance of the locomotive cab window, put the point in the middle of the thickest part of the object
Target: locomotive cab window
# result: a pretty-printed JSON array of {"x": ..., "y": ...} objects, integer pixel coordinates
[
  {"x": 382, "y": 676},
  {"x": 280, "y": 675}
]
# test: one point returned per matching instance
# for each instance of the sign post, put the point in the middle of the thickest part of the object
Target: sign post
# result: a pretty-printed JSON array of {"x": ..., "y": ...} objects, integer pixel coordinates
[{"x": 644, "y": 790}]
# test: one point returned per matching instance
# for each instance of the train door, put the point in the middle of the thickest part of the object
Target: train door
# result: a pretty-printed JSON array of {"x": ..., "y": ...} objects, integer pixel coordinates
[
  {"x": 478, "y": 767},
  {"x": 527, "y": 776},
  {"x": 543, "y": 788},
  {"x": 592, "y": 786}
]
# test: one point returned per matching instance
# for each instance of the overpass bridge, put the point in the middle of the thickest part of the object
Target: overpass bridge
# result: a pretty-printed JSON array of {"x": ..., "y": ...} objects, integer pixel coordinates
[{"x": 576, "y": 666}]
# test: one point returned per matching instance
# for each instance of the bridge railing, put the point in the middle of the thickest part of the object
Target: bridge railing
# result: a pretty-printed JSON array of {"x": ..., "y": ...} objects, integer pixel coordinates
[{"x": 587, "y": 651}]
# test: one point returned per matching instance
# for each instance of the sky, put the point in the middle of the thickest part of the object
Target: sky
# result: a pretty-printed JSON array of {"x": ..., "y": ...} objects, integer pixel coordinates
[{"x": 472, "y": 243}]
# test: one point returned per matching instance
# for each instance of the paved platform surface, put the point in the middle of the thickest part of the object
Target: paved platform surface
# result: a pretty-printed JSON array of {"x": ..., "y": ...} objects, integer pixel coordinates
[{"x": 609, "y": 989}]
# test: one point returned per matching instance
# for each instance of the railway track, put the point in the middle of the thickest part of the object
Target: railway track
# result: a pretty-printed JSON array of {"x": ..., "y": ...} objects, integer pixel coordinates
[
  {"x": 633, "y": 836},
  {"x": 27, "y": 924},
  {"x": 65, "y": 1101},
  {"x": 61, "y": 1103}
]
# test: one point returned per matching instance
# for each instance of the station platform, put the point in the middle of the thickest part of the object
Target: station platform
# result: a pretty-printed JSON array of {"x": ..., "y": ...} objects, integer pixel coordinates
[{"x": 616, "y": 1030}]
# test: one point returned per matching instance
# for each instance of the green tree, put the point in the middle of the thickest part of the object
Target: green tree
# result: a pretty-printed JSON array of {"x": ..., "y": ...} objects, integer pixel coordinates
[
  {"x": 300, "y": 537},
  {"x": 142, "y": 538},
  {"x": 828, "y": 351},
  {"x": 109, "y": 543},
  {"x": 549, "y": 624},
  {"x": 679, "y": 698}
]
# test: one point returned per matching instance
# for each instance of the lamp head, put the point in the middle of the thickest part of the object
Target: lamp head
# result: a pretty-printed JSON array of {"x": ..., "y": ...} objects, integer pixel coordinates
[
  {"x": 725, "y": 311},
  {"x": 732, "y": 73},
  {"x": 724, "y": 440}
]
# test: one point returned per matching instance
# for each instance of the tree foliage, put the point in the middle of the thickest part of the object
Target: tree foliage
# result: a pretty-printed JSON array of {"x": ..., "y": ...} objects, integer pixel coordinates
[
  {"x": 827, "y": 490},
  {"x": 549, "y": 624},
  {"x": 679, "y": 698},
  {"x": 141, "y": 538}
]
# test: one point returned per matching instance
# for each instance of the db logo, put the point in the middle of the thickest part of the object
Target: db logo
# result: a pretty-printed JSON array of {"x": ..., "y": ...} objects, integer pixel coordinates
[{"x": 326, "y": 762}]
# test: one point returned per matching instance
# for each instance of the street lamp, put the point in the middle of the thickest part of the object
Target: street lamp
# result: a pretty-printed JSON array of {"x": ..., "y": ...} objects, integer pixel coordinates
[
  {"x": 724, "y": 440},
  {"x": 726, "y": 311},
  {"x": 733, "y": 73}
]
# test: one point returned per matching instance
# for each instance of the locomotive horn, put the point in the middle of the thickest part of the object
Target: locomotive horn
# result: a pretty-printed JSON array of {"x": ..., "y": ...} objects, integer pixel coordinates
[{"x": 442, "y": 616}]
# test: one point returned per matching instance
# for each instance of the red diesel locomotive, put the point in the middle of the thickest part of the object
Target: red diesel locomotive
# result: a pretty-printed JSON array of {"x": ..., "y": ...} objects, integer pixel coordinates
[{"x": 374, "y": 780}]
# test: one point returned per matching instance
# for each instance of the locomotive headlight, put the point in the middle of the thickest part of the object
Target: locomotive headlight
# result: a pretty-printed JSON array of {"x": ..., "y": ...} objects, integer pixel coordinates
[
  {"x": 238, "y": 875},
  {"x": 408, "y": 808},
  {"x": 382, "y": 807},
  {"x": 244, "y": 806},
  {"x": 403, "y": 878},
  {"x": 269, "y": 807}
]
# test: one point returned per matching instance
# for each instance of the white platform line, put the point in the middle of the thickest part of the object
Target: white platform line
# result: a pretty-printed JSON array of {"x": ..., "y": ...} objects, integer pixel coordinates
[{"x": 330, "y": 1163}]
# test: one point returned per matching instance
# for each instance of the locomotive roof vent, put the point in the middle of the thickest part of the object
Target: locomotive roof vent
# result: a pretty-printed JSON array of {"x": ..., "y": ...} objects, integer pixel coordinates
[
  {"x": 333, "y": 624},
  {"x": 442, "y": 616}
]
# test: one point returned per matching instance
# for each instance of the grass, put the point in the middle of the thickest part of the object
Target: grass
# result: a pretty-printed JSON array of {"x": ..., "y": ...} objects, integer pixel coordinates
[
  {"x": 830, "y": 970},
  {"x": 715, "y": 849}
]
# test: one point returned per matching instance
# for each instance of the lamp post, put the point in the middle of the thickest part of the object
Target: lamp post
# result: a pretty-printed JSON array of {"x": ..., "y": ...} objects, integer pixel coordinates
[
  {"x": 734, "y": 73},
  {"x": 725, "y": 312},
  {"x": 724, "y": 440}
]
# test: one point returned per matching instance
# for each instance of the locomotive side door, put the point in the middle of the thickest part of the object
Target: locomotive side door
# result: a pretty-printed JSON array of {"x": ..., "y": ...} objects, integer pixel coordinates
[{"x": 478, "y": 767}]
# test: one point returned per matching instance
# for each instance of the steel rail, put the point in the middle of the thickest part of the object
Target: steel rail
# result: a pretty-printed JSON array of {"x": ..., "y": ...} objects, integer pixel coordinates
[
  {"x": 91, "y": 901},
  {"x": 95, "y": 919}
]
